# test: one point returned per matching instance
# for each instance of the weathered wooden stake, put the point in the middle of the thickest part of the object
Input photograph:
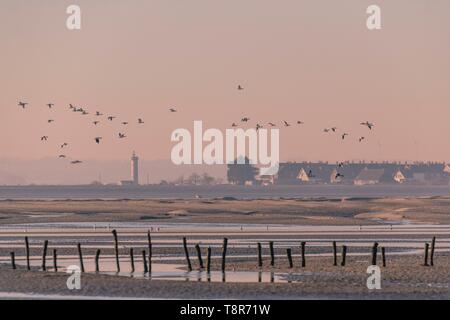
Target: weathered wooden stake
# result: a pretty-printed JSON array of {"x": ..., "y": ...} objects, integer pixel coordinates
[
  {"x": 116, "y": 249},
  {"x": 433, "y": 243},
  {"x": 425, "y": 263},
  {"x": 199, "y": 255},
  {"x": 97, "y": 258},
  {"x": 186, "y": 252},
  {"x": 383, "y": 256},
  {"x": 260, "y": 262},
  {"x": 144, "y": 260},
  {"x": 44, "y": 255},
  {"x": 272, "y": 255},
  {"x": 289, "y": 256},
  {"x": 303, "y": 245},
  {"x": 55, "y": 261},
  {"x": 334, "y": 254},
  {"x": 27, "y": 253},
  {"x": 344, "y": 254},
  {"x": 374, "y": 253},
  {"x": 13, "y": 260},
  {"x": 132, "y": 260},
  {"x": 150, "y": 251},
  {"x": 80, "y": 256},
  {"x": 224, "y": 253},
  {"x": 208, "y": 261}
]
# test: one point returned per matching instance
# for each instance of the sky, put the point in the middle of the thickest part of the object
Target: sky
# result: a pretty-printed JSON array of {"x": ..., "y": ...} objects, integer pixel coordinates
[{"x": 308, "y": 60}]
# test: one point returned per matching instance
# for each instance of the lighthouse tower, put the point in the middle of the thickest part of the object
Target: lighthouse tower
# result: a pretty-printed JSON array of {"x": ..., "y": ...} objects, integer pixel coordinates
[{"x": 135, "y": 169}]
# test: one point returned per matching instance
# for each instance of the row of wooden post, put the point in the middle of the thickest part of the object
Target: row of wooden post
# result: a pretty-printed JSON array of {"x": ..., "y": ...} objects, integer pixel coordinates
[{"x": 148, "y": 267}]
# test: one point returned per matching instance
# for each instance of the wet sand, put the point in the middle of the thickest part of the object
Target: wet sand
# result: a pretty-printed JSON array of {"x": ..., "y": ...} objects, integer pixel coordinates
[{"x": 402, "y": 226}]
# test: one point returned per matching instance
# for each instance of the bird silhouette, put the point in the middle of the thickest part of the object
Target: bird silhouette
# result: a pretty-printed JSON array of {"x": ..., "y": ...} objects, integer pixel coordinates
[
  {"x": 95, "y": 122},
  {"x": 23, "y": 104},
  {"x": 62, "y": 156},
  {"x": 98, "y": 114},
  {"x": 258, "y": 126},
  {"x": 326, "y": 130},
  {"x": 111, "y": 118},
  {"x": 50, "y": 120},
  {"x": 125, "y": 123},
  {"x": 44, "y": 138},
  {"x": 334, "y": 129},
  {"x": 76, "y": 162},
  {"x": 340, "y": 164},
  {"x": 367, "y": 124},
  {"x": 140, "y": 121},
  {"x": 234, "y": 125},
  {"x": 361, "y": 139},
  {"x": 50, "y": 105},
  {"x": 65, "y": 144},
  {"x": 339, "y": 175},
  {"x": 240, "y": 87},
  {"x": 122, "y": 135},
  {"x": 344, "y": 135},
  {"x": 173, "y": 110},
  {"x": 272, "y": 124},
  {"x": 97, "y": 139},
  {"x": 300, "y": 122},
  {"x": 245, "y": 119},
  {"x": 286, "y": 124}
]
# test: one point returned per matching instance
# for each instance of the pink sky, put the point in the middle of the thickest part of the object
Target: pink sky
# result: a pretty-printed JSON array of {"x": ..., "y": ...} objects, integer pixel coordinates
[{"x": 313, "y": 61}]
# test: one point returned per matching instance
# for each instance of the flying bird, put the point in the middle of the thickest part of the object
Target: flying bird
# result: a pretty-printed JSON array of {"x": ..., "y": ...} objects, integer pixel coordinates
[
  {"x": 50, "y": 105},
  {"x": 98, "y": 114},
  {"x": 111, "y": 118},
  {"x": 258, "y": 126},
  {"x": 272, "y": 124},
  {"x": 61, "y": 156},
  {"x": 50, "y": 120},
  {"x": 65, "y": 144},
  {"x": 245, "y": 119},
  {"x": 97, "y": 139},
  {"x": 340, "y": 164},
  {"x": 122, "y": 135},
  {"x": 140, "y": 121},
  {"x": 338, "y": 175},
  {"x": 361, "y": 139},
  {"x": 344, "y": 135},
  {"x": 234, "y": 125},
  {"x": 240, "y": 87},
  {"x": 334, "y": 129},
  {"x": 124, "y": 123},
  {"x": 300, "y": 122},
  {"x": 44, "y": 138},
  {"x": 172, "y": 110},
  {"x": 76, "y": 162},
  {"x": 286, "y": 124},
  {"x": 367, "y": 124},
  {"x": 95, "y": 122},
  {"x": 326, "y": 130},
  {"x": 23, "y": 104}
]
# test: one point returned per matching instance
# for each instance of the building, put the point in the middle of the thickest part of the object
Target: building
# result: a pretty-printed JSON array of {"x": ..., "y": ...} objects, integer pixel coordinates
[
  {"x": 134, "y": 172},
  {"x": 369, "y": 176},
  {"x": 135, "y": 169}
]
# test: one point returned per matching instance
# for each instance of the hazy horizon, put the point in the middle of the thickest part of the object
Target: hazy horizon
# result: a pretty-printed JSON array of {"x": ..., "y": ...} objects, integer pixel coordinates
[{"x": 308, "y": 60}]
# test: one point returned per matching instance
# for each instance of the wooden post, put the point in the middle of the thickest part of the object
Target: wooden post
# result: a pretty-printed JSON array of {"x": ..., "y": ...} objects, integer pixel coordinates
[
  {"x": 116, "y": 249},
  {"x": 334, "y": 254},
  {"x": 433, "y": 242},
  {"x": 374, "y": 254},
  {"x": 186, "y": 252},
  {"x": 303, "y": 245},
  {"x": 44, "y": 255},
  {"x": 272, "y": 255},
  {"x": 13, "y": 260},
  {"x": 260, "y": 262},
  {"x": 289, "y": 256},
  {"x": 144, "y": 260},
  {"x": 344, "y": 254},
  {"x": 199, "y": 255},
  {"x": 383, "y": 256},
  {"x": 132, "y": 260},
  {"x": 97, "y": 258},
  {"x": 425, "y": 263},
  {"x": 150, "y": 251},
  {"x": 80, "y": 256},
  {"x": 224, "y": 253},
  {"x": 55, "y": 262},
  {"x": 208, "y": 261},
  {"x": 27, "y": 252}
]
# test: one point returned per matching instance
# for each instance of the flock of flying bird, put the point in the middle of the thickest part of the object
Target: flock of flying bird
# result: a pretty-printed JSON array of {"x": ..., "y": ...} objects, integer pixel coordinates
[{"x": 140, "y": 121}]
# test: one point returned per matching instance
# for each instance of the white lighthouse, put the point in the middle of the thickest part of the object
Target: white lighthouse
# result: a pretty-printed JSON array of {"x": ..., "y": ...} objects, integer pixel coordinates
[{"x": 135, "y": 169}]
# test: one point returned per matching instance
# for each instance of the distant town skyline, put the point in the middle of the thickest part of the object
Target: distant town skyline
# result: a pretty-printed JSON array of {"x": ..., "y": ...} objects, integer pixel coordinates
[{"x": 309, "y": 61}]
